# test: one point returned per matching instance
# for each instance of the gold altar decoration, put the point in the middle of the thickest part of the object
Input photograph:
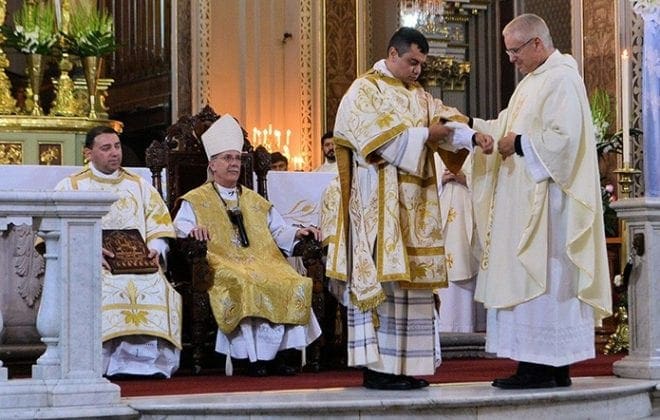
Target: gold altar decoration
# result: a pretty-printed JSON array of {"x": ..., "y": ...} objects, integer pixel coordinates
[
  {"x": 81, "y": 96},
  {"x": 35, "y": 72},
  {"x": 625, "y": 180},
  {"x": 90, "y": 37},
  {"x": 11, "y": 153},
  {"x": 619, "y": 340},
  {"x": 85, "y": 35},
  {"x": 92, "y": 68},
  {"x": 50, "y": 154},
  {"x": 446, "y": 72},
  {"x": 7, "y": 102}
]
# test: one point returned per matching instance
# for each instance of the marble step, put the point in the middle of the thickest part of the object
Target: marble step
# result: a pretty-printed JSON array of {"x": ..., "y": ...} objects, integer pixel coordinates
[{"x": 589, "y": 397}]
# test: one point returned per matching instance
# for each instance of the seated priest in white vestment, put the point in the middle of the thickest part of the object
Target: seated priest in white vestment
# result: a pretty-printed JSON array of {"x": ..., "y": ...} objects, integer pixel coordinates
[
  {"x": 141, "y": 313},
  {"x": 261, "y": 304},
  {"x": 459, "y": 312}
]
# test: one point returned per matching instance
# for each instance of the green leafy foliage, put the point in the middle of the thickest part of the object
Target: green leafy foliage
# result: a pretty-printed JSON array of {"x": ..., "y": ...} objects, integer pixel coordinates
[
  {"x": 91, "y": 32},
  {"x": 34, "y": 30}
]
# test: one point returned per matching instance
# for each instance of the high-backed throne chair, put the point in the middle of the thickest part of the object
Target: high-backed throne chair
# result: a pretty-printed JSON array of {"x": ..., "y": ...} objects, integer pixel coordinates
[{"x": 182, "y": 154}]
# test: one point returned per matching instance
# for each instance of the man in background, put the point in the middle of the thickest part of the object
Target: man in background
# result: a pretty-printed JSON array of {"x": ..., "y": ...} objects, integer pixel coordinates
[
  {"x": 278, "y": 162},
  {"x": 329, "y": 159}
]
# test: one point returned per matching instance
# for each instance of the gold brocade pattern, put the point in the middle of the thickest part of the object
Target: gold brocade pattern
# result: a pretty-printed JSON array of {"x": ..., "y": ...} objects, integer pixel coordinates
[
  {"x": 253, "y": 281},
  {"x": 403, "y": 214}
]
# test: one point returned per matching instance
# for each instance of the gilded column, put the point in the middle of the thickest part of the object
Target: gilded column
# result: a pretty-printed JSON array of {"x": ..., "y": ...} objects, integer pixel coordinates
[{"x": 7, "y": 102}]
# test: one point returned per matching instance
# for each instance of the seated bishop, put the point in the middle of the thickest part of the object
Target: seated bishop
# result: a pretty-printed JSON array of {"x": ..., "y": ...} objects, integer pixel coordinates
[
  {"x": 262, "y": 306},
  {"x": 141, "y": 313}
]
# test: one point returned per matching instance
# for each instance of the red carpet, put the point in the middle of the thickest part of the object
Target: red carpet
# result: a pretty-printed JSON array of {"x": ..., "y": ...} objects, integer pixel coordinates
[{"x": 451, "y": 370}]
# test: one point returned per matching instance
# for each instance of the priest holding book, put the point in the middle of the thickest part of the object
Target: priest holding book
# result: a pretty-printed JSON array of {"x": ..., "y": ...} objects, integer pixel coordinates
[{"x": 141, "y": 311}]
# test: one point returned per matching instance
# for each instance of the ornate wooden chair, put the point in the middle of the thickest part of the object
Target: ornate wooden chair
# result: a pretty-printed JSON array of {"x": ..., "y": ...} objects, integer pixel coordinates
[{"x": 182, "y": 154}]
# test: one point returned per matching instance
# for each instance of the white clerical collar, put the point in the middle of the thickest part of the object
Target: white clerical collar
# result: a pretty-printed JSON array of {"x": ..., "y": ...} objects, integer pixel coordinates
[
  {"x": 100, "y": 174},
  {"x": 381, "y": 66},
  {"x": 227, "y": 193}
]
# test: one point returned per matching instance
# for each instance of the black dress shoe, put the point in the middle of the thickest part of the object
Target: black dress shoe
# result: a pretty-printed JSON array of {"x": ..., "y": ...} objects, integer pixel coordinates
[
  {"x": 314, "y": 367},
  {"x": 257, "y": 369},
  {"x": 415, "y": 383},
  {"x": 562, "y": 376},
  {"x": 524, "y": 381},
  {"x": 386, "y": 381},
  {"x": 284, "y": 370}
]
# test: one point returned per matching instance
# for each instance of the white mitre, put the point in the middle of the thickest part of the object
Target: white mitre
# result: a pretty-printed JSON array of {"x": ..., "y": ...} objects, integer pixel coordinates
[{"x": 223, "y": 135}]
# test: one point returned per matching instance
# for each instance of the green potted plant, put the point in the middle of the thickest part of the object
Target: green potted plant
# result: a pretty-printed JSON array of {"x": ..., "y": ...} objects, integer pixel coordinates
[
  {"x": 90, "y": 37},
  {"x": 34, "y": 34}
]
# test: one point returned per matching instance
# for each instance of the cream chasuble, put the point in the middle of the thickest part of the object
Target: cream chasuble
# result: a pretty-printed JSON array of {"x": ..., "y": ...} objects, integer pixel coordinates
[
  {"x": 398, "y": 207},
  {"x": 550, "y": 107},
  {"x": 134, "y": 304},
  {"x": 254, "y": 281}
]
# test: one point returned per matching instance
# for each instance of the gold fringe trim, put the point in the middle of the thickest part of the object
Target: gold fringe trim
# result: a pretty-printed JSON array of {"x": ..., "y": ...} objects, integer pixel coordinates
[{"x": 368, "y": 304}]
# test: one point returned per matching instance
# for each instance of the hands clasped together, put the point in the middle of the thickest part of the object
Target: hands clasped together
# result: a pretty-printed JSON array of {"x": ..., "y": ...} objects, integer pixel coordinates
[{"x": 440, "y": 132}]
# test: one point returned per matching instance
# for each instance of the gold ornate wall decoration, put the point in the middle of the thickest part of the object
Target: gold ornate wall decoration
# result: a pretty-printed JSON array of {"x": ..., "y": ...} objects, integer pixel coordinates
[
  {"x": 637, "y": 142},
  {"x": 445, "y": 72},
  {"x": 203, "y": 88},
  {"x": 599, "y": 49},
  {"x": 11, "y": 154},
  {"x": 50, "y": 154},
  {"x": 340, "y": 54},
  {"x": 306, "y": 97}
]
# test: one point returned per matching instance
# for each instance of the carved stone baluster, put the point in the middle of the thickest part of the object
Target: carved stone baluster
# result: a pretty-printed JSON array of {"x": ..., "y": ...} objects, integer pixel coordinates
[
  {"x": 3, "y": 370},
  {"x": 49, "y": 317}
]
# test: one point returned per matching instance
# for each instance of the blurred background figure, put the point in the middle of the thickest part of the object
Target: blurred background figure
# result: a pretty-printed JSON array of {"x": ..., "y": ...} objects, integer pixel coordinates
[
  {"x": 329, "y": 159},
  {"x": 458, "y": 310},
  {"x": 278, "y": 162}
]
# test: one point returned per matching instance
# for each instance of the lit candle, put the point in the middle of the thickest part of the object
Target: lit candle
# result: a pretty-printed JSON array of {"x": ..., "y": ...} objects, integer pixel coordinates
[
  {"x": 277, "y": 138},
  {"x": 255, "y": 136},
  {"x": 285, "y": 151},
  {"x": 288, "y": 136},
  {"x": 625, "y": 107}
]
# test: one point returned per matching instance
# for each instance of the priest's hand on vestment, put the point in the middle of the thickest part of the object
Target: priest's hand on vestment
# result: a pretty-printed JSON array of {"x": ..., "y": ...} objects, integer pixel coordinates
[
  {"x": 106, "y": 254},
  {"x": 201, "y": 233},
  {"x": 506, "y": 145},
  {"x": 306, "y": 231},
  {"x": 484, "y": 141},
  {"x": 154, "y": 256},
  {"x": 438, "y": 134}
]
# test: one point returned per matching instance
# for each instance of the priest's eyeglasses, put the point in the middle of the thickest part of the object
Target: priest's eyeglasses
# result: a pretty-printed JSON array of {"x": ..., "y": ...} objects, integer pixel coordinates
[
  {"x": 513, "y": 52},
  {"x": 229, "y": 158}
]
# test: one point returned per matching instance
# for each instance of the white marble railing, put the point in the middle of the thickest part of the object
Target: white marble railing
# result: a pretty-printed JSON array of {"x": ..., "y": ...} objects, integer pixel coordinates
[{"x": 69, "y": 372}]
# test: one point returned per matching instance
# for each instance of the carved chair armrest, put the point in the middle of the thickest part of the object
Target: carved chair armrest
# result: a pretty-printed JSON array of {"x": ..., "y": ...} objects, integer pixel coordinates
[{"x": 194, "y": 252}]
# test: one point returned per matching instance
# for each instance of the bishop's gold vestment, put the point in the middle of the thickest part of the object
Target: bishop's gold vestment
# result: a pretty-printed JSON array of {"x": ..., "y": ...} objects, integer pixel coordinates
[{"x": 254, "y": 281}]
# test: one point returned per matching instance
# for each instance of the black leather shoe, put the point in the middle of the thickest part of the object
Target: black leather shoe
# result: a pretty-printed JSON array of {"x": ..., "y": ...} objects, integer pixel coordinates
[
  {"x": 386, "y": 381},
  {"x": 415, "y": 383},
  {"x": 257, "y": 369},
  {"x": 524, "y": 381},
  {"x": 284, "y": 370},
  {"x": 562, "y": 376}
]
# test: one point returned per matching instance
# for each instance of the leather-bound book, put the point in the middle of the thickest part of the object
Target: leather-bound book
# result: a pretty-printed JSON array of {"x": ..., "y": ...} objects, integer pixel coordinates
[{"x": 131, "y": 253}]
